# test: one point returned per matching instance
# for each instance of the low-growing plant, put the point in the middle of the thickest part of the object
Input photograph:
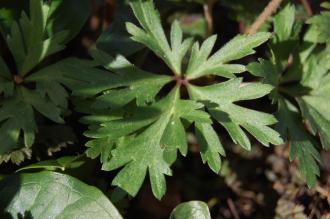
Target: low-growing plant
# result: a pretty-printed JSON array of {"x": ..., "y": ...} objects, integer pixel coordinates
[{"x": 138, "y": 117}]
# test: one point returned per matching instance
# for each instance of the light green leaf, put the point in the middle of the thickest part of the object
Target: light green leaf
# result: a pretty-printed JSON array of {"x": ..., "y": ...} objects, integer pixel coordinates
[
  {"x": 157, "y": 132},
  {"x": 191, "y": 210},
  {"x": 221, "y": 98},
  {"x": 202, "y": 64},
  {"x": 284, "y": 22},
  {"x": 210, "y": 146},
  {"x": 30, "y": 195},
  {"x": 319, "y": 27},
  {"x": 63, "y": 163},
  {"x": 152, "y": 35}
]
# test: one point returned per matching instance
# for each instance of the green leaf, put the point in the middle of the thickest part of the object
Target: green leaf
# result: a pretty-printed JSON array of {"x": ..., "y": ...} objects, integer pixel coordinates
[
  {"x": 202, "y": 64},
  {"x": 16, "y": 116},
  {"x": 301, "y": 145},
  {"x": 315, "y": 68},
  {"x": 10, "y": 11},
  {"x": 265, "y": 69},
  {"x": 157, "y": 131},
  {"x": 63, "y": 163},
  {"x": 221, "y": 98},
  {"x": 68, "y": 15},
  {"x": 127, "y": 84},
  {"x": 116, "y": 40},
  {"x": 6, "y": 84},
  {"x": 30, "y": 195},
  {"x": 210, "y": 146},
  {"x": 152, "y": 35},
  {"x": 136, "y": 125},
  {"x": 27, "y": 41},
  {"x": 191, "y": 210},
  {"x": 284, "y": 23},
  {"x": 319, "y": 27},
  {"x": 315, "y": 109}
]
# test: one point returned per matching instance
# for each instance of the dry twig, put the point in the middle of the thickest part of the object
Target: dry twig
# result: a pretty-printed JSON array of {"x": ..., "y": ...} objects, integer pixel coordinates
[
  {"x": 269, "y": 10},
  {"x": 307, "y": 7}
]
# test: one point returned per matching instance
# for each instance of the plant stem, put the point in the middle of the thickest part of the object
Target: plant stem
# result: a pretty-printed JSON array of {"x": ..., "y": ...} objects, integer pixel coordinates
[
  {"x": 307, "y": 7},
  {"x": 268, "y": 11},
  {"x": 208, "y": 14}
]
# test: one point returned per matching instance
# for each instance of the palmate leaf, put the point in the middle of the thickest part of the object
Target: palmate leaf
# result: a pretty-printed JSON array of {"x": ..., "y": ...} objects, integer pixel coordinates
[{"x": 138, "y": 128}]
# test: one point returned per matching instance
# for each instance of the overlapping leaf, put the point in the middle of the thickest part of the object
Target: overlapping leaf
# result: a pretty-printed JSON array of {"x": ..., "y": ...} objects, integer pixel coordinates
[
  {"x": 308, "y": 86},
  {"x": 319, "y": 26},
  {"x": 43, "y": 91}
]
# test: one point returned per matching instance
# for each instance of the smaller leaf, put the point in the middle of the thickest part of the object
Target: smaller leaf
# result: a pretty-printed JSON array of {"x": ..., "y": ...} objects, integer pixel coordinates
[
  {"x": 191, "y": 210},
  {"x": 63, "y": 163}
]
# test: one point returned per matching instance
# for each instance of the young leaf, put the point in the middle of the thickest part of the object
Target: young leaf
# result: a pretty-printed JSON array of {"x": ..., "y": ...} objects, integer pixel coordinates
[{"x": 191, "y": 210}]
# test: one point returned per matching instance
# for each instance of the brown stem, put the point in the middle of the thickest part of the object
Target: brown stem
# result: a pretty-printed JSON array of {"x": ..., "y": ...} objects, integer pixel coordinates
[
  {"x": 208, "y": 14},
  {"x": 307, "y": 7},
  {"x": 232, "y": 208},
  {"x": 18, "y": 79},
  {"x": 180, "y": 80},
  {"x": 268, "y": 11}
]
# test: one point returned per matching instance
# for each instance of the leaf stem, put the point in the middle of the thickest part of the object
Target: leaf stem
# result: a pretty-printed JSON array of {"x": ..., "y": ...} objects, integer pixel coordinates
[
  {"x": 18, "y": 79},
  {"x": 180, "y": 80},
  {"x": 208, "y": 14},
  {"x": 307, "y": 7},
  {"x": 268, "y": 11}
]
